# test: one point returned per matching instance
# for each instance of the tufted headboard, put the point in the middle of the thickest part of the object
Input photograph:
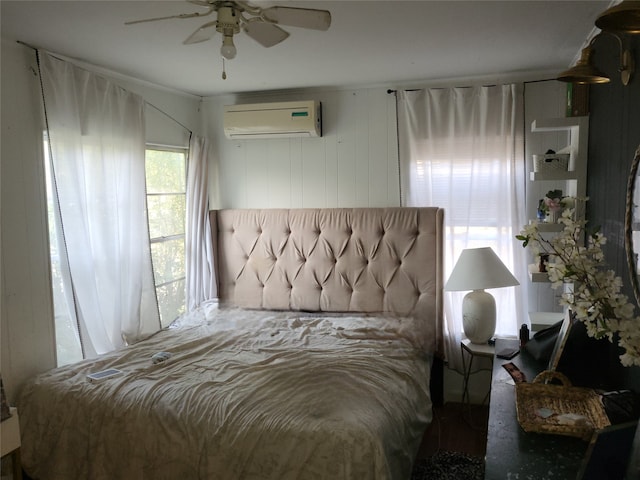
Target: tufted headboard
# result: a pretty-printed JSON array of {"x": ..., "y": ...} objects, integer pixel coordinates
[{"x": 332, "y": 260}]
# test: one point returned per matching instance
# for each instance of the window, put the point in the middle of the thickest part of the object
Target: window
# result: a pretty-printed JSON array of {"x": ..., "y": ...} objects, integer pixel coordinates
[
  {"x": 166, "y": 204},
  {"x": 459, "y": 150}
]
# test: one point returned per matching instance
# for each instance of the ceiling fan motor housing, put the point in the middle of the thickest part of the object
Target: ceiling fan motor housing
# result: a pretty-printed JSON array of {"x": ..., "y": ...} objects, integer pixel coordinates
[{"x": 228, "y": 22}]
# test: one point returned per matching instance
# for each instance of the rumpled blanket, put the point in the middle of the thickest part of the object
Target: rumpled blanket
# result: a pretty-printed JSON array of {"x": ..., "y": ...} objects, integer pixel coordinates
[{"x": 238, "y": 394}]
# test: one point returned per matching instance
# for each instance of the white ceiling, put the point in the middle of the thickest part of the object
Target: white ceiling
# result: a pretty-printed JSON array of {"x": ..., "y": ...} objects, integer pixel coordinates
[{"x": 391, "y": 43}]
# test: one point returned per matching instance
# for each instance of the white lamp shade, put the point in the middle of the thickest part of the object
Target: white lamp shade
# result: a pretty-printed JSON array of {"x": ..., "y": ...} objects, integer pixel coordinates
[{"x": 477, "y": 269}]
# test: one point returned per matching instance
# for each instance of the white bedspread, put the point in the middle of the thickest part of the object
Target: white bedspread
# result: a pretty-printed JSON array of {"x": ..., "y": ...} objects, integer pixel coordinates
[{"x": 245, "y": 395}]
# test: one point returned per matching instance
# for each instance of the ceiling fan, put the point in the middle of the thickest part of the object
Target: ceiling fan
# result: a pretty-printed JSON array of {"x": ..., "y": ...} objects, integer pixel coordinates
[{"x": 261, "y": 24}]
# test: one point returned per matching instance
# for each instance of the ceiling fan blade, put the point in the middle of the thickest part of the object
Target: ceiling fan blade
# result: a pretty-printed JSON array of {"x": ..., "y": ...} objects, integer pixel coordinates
[
  {"x": 266, "y": 34},
  {"x": 202, "y": 34},
  {"x": 202, "y": 3},
  {"x": 182, "y": 15},
  {"x": 299, "y": 17}
]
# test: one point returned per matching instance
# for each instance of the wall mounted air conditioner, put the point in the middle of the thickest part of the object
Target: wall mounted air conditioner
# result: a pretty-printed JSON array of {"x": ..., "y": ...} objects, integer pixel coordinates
[{"x": 269, "y": 120}]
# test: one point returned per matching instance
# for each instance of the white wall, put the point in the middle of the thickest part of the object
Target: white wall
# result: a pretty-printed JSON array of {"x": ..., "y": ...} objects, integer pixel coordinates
[
  {"x": 354, "y": 163},
  {"x": 27, "y": 325},
  {"x": 27, "y": 317}
]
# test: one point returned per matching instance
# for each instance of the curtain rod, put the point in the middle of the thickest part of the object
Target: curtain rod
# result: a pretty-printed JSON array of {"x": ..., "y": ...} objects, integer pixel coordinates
[
  {"x": 435, "y": 88},
  {"x": 391, "y": 91},
  {"x": 87, "y": 70}
]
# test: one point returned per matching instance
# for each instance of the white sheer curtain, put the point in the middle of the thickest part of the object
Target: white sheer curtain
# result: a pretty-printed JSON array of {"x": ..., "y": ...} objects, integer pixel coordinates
[
  {"x": 460, "y": 149},
  {"x": 201, "y": 280},
  {"x": 96, "y": 135}
]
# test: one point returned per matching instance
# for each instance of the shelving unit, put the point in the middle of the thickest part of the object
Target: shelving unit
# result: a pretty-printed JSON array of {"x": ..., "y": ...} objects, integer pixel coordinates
[
  {"x": 575, "y": 179},
  {"x": 572, "y": 182}
]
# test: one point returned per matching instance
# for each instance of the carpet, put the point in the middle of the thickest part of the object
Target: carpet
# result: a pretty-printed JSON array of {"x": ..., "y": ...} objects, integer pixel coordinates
[{"x": 449, "y": 465}]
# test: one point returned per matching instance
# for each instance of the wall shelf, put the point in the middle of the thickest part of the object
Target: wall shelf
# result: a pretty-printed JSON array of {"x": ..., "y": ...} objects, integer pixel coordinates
[
  {"x": 536, "y": 276},
  {"x": 553, "y": 176},
  {"x": 557, "y": 123},
  {"x": 548, "y": 227}
]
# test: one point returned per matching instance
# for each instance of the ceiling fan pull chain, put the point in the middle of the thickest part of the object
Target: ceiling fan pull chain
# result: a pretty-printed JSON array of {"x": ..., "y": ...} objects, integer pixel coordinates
[{"x": 224, "y": 72}]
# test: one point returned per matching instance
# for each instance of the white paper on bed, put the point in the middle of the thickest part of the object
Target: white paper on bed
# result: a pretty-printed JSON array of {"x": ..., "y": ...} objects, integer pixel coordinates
[{"x": 244, "y": 395}]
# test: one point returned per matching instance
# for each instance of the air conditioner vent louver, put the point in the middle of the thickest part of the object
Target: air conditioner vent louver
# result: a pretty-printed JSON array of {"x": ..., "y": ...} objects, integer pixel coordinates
[{"x": 269, "y": 120}]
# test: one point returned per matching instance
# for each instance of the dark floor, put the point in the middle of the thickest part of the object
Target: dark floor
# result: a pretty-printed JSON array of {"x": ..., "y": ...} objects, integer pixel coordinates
[{"x": 456, "y": 428}]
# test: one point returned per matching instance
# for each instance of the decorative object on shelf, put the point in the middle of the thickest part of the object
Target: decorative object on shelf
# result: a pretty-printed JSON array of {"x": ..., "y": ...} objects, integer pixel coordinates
[
  {"x": 551, "y": 162},
  {"x": 577, "y": 100},
  {"x": 541, "y": 214},
  {"x": 542, "y": 263},
  {"x": 595, "y": 297},
  {"x": 477, "y": 269},
  {"x": 552, "y": 206}
]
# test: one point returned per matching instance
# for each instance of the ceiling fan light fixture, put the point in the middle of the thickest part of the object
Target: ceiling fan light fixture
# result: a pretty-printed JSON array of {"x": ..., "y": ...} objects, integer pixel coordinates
[
  {"x": 233, "y": 17},
  {"x": 228, "y": 49},
  {"x": 584, "y": 72},
  {"x": 621, "y": 18}
]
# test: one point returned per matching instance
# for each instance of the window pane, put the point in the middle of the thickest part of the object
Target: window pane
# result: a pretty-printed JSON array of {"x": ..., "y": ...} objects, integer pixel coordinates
[
  {"x": 165, "y": 171},
  {"x": 166, "y": 205},
  {"x": 168, "y": 260},
  {"x": 171, "y": 301},
  {"x": 166, "y": 215}
]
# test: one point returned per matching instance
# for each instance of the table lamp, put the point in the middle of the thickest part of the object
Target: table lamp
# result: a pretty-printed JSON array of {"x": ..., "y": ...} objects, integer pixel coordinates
[{"x": 477, "y": 269}]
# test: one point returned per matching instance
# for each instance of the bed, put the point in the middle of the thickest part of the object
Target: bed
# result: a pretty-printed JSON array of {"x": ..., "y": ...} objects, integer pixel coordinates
[{"x": 314, "y": 363}]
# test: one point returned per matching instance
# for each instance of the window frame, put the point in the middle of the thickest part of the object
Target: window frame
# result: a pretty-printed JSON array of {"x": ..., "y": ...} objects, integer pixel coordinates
[{"x": 168, "y": 238}]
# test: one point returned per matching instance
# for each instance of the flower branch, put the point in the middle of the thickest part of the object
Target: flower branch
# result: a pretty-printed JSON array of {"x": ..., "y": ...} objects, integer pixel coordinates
[{"x": 595, "y": 295}]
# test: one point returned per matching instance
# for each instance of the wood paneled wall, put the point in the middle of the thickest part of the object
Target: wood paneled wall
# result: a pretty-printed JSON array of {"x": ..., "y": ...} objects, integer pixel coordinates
[
  {"x": 353, "y": 164},
  {"x": 614, "y": 135}
]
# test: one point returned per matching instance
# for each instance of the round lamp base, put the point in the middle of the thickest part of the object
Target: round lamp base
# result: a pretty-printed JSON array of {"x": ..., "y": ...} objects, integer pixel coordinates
[{"x": 479, "y": 316}]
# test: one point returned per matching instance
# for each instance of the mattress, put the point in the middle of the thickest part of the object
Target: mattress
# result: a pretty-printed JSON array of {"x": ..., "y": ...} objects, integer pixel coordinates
[{"x": 243, "y": 394}]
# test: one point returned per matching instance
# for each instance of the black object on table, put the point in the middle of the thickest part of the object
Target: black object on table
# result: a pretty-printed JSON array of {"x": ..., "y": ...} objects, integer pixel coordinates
[{"x": 514, "y": 453}]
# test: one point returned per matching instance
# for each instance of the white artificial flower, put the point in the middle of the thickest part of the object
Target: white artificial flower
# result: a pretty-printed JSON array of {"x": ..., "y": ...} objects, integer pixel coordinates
[{"x": 595, "y": 297}]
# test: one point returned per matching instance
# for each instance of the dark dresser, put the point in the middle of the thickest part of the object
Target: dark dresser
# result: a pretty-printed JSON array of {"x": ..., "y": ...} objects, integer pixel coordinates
[{"x": 513, "y": 453}]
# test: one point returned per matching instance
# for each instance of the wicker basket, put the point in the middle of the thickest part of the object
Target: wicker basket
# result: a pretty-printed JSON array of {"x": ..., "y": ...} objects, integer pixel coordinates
[
  {"x": 559, "y": 399},
  {"x": 555, "y": 162}
]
